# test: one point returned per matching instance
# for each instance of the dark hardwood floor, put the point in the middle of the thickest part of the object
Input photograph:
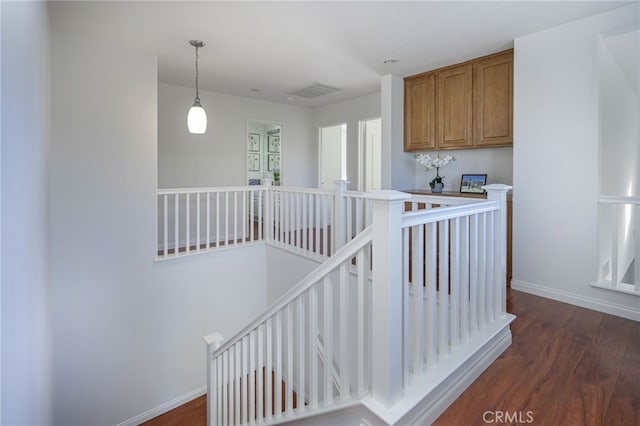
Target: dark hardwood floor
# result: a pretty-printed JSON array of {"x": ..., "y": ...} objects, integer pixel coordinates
[{"x": 567, "y": 366}]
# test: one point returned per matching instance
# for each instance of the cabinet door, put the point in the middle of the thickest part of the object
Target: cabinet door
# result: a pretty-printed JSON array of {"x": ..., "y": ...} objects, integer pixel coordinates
[
  {"x": 493, "y": 101},
  {"x": 420, "y": 113},
  {"x": 455, "y": 100}
]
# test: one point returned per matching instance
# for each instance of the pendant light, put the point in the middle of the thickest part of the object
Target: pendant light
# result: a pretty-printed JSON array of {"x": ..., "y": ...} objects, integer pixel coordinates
[{"x": 197, "y": 117}]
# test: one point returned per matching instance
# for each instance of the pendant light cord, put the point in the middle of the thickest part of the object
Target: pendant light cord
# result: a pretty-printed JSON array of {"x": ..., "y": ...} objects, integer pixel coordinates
[{"x": 197, "y": 74}]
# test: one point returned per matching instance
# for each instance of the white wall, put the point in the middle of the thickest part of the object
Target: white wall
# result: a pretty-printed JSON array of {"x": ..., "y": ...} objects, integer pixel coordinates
[
  {"x": 127, "y": 331},
  {"x": 556, "y": 162},
  {"x": 350, "y": 112},
  {"x": 397, "y": 166},
  {"x": 280, "y": 280},
  {"x": 496, "y": 163},
  {"x": 26, "y": 307},
  {"x": 218, "y": 158}
]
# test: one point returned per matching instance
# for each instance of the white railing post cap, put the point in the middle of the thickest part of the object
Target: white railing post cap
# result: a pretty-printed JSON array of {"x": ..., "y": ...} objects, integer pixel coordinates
[
  {"x": 497, "y": 187},
  {"x": 213, "y": 339},
  {"x": 387, "y": 195}
]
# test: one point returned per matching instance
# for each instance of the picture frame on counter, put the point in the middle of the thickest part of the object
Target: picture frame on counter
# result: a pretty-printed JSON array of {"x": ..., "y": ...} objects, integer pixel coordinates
[{"x": 473, "y": 183}]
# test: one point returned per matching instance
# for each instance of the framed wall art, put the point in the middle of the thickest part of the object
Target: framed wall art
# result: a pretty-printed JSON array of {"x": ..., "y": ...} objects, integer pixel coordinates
[
  {"x": 273, "y": 162},
  {"x": 254, "y": 142},
  {"x": 254, "y": 162},
  {"x": 273, "y": 144}
]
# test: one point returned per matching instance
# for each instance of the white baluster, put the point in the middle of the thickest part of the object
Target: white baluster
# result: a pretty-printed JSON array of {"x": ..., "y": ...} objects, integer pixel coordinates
[
  {"x": 431, "y": 322},
  {"x": 313, "y": 349},
  {"x": 176, "y": 242},
  {"x": 305, "y": 223},
  {"x": 301, "y": 351},
  {"x": 344, "y": 330},
  {"x": 443, "y": 289},
  {"x": 252, "y": 217},
  {"x": 327, "y": 336},
  {"x": 261, "y": 372},
  {"x": 325, "y": 229},
  {"x": 474, "y": 271},
  {"x": 220, "y": 397},
  {"x": 454, "y": 312},
  {"x": 187, "y": 216},
  {"x": 244, "y": 216},
  {"x": 245, "y": 376},
  {"x": 235, "y": 218},
  {"x": 491, "y": 282},
  {"x": 253, "y": 368},
  {"x": 464, "y": 278},
  {"x": 197, "y": 194},
  {"x": 406, "y": 325},
  {"x": 230, "y": 383},
  {"x": 225, "y": 384},
  {"x": 289, "y": 387},
  {"x": 482, "y": 260},
  {"x": 317, "y": 225},
  {"x": 208, "y": 238},
  {"x": 361, "y": 264},
  {"x": 417, "y": 275},
  {"x": 268, "y": 371},
  {"x": 217, "y": 220},
  {"x": 165, "y": 251},
  {"x": 278, "y": 379},
  {"x": 236, "y": 381}
]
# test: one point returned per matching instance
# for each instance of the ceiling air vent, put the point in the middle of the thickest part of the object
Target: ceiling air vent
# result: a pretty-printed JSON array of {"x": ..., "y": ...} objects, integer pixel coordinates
[{"x": 314, "y": 91}]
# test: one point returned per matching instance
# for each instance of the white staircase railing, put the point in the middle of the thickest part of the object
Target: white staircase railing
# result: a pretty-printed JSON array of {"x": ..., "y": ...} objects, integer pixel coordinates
[
  {"x": 452, "y": 275},
  {"x": 198, "y": 220},
  {"x": 424, "y": 287},
  {"x": 257, "y": 374},
  {"x": 619, "y": 244}
]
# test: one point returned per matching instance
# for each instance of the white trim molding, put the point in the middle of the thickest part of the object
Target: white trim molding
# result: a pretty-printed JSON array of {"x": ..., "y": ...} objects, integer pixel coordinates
[
  {"x": 576, "y": 299},
  {"x": 164, "y": 408}
]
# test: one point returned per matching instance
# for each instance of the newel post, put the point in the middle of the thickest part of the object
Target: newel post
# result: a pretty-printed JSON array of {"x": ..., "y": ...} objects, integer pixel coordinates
[
  {"x": 386, "y": 321},
  {"x": 339, "y": 215},
  {"x": 267, "y": 221},
  {"x": 213, "y": 341},
  {"x": 498, "y": 192}
]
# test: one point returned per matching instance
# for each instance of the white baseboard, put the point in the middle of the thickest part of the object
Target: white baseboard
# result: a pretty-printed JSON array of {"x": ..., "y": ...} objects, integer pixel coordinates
[
  {"x": 163, "y": 408},
  {"x": 576, "y": 299}
]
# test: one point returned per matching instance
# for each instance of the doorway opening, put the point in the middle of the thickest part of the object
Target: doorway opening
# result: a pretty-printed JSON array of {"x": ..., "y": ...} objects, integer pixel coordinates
[
  {"x": 333, "y": 155},
  {"x": 369, "y": 155}
]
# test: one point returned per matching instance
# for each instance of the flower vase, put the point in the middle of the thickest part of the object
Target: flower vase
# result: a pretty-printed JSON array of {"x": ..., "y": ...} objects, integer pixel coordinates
[{"x": 437, "y": 188}]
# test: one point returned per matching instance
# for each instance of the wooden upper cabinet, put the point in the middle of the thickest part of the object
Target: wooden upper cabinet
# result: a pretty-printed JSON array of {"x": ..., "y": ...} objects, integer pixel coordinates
[
  {"x": 454, "y": 107},
  {"x": 420, "y": 113},
  {"x": 469, "y": 105},
  {"x": 493, "y": 100}
]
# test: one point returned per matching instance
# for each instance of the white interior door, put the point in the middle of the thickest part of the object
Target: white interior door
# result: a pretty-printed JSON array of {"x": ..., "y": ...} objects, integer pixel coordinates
[
  {"x": 333, "y": 155},
  {"x": 370, "y": 153}
]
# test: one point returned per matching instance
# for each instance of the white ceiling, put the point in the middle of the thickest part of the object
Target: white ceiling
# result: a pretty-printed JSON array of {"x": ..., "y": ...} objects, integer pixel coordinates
[{"x": 280, "y": 47}]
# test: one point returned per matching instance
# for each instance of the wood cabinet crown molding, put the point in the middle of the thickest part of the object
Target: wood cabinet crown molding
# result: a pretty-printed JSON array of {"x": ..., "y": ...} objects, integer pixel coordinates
[{"x": 466, "y": 105}]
